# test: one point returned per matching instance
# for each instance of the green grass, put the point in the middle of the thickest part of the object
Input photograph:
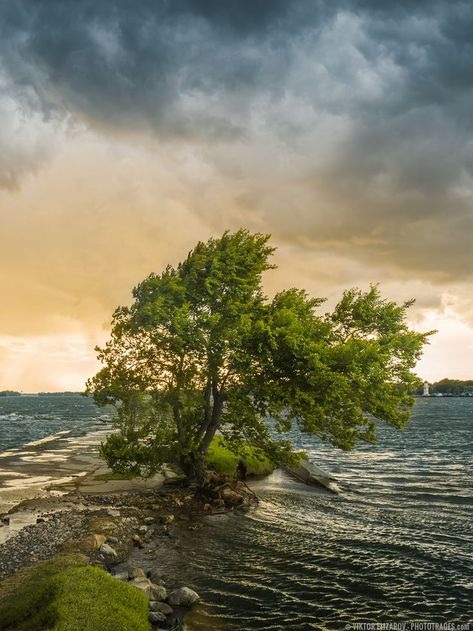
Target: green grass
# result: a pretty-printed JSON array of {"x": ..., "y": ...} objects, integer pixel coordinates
[
  {"x": 65, "y": 594},
  {"x": 224, "y": 461}
]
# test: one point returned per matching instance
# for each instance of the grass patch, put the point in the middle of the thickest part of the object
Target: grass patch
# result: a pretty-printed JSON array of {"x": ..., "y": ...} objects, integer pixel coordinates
[
  {"x": 65, "y": 594},
  {"x": 224, "y": 461}
]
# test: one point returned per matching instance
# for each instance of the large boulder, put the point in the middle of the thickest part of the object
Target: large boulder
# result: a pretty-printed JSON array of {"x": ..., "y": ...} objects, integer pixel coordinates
[
  {"x": 158, "y": 592},
  {"x": 135, "y": 572},
  {"x": 155, "y": 617},
  {"x": 156, "y": 605},
  {"x": 143, "y": 584},
  {"x": 310, "y": 473},
  {"x": 183, "y": 597},
  {"x": 231, "y": 497},
  {"x": 108, "y": 550},
  {"x": 99, "y": 540}
]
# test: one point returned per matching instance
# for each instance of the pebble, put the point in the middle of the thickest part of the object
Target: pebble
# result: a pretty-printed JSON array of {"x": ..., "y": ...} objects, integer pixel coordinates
[
  {"x": 113, "y": 512},
  {"x": 40, "y": 541},
  {"x": 137, "y": 541}
]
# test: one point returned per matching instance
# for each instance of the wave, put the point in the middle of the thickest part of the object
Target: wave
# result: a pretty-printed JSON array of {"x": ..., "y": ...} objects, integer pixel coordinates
[
  {"x": 47, "y": 439},
  {"x": 12, "y": 416}
]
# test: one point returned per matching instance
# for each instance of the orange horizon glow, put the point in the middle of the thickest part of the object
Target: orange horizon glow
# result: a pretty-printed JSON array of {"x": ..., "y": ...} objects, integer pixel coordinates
[{"x": 120, "y": 148}]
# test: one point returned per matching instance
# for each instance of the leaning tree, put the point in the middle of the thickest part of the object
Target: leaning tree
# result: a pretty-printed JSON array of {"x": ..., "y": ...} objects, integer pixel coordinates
[{"x": 202, "y": 350}]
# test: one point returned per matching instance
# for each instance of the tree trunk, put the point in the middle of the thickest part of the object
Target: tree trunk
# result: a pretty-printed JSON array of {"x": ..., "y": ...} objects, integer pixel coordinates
[
  {"x": 214, "y": 422},
  {"x": 193, "y": 466}
]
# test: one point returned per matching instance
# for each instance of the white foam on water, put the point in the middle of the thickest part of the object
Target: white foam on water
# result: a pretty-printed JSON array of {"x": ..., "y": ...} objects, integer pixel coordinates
[
  {"x": 13, "y": 416},
  {"x": 47, "y": 439}
]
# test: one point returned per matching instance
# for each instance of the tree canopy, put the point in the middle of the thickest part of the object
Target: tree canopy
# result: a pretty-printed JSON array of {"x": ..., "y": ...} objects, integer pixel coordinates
[{"x": 202, "y": 350}]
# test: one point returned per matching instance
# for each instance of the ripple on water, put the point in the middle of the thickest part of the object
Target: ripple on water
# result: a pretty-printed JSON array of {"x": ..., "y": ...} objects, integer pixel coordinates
[{"x": 397, "y": 546}]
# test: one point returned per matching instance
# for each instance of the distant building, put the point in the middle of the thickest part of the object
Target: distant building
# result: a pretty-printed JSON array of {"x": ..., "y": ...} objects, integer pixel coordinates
[{"x": 426, "y": 392}]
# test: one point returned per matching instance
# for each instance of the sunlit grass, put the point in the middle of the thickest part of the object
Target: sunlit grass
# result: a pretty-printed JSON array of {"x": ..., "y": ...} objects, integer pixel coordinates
[
  {"x": 65, "y": 594},
  {"x": 224, "y": 461}
]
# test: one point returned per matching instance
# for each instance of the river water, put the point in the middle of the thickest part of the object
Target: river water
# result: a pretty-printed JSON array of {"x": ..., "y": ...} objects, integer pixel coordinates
[
  {"x": 24, "y": 419},
  {"x": 396, "y": 545}
]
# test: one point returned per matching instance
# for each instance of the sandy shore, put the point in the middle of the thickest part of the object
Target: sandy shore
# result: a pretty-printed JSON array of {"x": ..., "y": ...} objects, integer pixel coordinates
[
  {"x": 49, "y": 466},
  {"x": 55, "y": 497},
  {"x": 54, "y": 467},
  {"x": 123, "y": 532}
]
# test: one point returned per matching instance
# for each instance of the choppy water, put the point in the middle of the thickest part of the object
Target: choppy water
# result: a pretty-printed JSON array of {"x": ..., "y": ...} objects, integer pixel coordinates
[
  {"x": 397, "y": 546},
  {"x": 29, "y": 418},
  {"x": 45, "y": 442}
]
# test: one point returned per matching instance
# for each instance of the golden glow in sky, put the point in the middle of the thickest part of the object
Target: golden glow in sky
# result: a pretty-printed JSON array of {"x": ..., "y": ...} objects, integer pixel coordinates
[{"x": 123, "y": 142}]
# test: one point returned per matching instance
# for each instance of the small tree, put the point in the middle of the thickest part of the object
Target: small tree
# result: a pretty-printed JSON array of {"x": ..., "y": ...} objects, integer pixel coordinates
[{"x": 202, "y": 350}]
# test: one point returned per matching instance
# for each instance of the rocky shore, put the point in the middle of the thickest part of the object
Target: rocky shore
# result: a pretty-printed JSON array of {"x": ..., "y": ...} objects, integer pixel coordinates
[
  {"x": 40, "y": 541},
  {"x": 129, "y": 534},
  {"x": 126, "y": 534}
]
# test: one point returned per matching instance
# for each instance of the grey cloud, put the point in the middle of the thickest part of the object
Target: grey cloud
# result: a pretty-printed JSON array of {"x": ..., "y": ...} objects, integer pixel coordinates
[
  {"x": 371, "y": 100},
  {"x": 174, "y": 66}
]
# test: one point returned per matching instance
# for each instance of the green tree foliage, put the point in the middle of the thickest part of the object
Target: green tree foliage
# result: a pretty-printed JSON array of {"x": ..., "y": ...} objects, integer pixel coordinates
[{"x": 202, "y": 350}]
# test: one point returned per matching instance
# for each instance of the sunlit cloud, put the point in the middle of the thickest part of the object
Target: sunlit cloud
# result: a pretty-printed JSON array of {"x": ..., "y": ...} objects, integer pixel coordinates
[
  {"x": 343, "y": 129},
  {"x": 53, "y": 362}
]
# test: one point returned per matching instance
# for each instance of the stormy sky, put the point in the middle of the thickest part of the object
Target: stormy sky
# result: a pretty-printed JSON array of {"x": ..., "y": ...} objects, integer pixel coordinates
[{"x": 129, "y": 130}]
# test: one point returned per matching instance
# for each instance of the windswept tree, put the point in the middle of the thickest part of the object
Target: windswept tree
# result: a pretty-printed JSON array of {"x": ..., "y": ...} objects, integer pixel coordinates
[{"x": 202, "y": 350}]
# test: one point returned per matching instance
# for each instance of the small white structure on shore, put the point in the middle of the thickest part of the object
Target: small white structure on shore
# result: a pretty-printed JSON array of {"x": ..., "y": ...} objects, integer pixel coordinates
[{"x": 426, "y": 392}]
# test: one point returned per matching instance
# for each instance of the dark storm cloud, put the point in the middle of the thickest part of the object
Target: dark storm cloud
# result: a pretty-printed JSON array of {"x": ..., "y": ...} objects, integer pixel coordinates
[
  {"x": 122, "y": 63},
  {"x": 133, "y": 64},
  {"x": 388, "y": 86}
]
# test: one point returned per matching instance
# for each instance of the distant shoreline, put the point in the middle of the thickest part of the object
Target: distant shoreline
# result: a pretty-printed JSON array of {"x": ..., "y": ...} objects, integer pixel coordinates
[
  {"x": 14, "y": 393},
  {"x": 441, "y": 395}
]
